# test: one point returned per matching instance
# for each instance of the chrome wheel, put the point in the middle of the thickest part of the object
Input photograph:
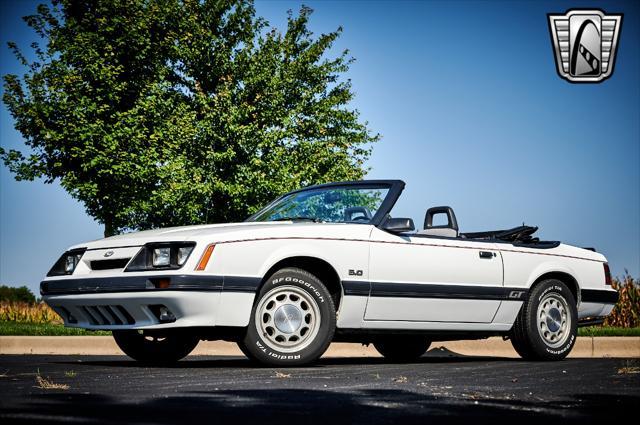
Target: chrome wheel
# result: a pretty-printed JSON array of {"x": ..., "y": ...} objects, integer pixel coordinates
[
  {"x": 554, "y": 321},
  {"x": 288, "y": 318}
]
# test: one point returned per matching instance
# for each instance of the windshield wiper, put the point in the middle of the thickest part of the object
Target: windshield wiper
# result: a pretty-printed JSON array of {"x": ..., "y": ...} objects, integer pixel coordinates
[{"x": 298, "y": 218}]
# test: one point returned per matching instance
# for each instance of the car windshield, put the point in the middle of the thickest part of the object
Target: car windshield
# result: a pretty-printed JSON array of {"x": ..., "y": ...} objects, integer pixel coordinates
[{"x": 346, "y": 204}]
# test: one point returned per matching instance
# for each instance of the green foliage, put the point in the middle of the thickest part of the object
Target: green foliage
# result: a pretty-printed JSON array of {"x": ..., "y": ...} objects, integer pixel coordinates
[
  {"x": 8, "y": 328},
  {"x": 21, "y": 294},
  {"x": 181, "y": 112},
  {"x": 608, "y": 331}
]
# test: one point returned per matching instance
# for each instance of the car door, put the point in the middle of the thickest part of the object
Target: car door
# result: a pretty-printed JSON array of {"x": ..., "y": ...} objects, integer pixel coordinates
[{"x": 432, "y": 279}]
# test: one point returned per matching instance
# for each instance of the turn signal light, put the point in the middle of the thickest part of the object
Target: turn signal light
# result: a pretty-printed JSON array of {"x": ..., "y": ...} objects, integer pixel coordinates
[
  {"x": 205, "y": 258},
  {"x": 161, "y": 283}
]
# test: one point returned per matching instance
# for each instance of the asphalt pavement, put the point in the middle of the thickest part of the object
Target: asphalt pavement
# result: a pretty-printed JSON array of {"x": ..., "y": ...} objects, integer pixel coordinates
[{"x": 439, "y": 388}]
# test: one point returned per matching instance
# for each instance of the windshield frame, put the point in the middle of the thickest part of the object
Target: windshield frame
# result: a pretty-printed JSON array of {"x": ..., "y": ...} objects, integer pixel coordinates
[{"x": 395, "y": 188}]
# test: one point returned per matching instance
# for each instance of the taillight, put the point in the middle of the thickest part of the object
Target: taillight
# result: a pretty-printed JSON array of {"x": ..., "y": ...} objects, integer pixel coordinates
[{"x": 607, "y": 275}]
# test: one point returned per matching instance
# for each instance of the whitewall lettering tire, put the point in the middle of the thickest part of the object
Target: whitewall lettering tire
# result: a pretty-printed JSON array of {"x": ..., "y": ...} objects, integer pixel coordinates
[
  {"x": 292, "y": 322},
  {"x": 547, "y": 325}
]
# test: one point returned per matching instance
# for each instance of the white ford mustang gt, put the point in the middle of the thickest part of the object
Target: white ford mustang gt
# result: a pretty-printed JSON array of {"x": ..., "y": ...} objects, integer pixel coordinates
[{"x": 328, "y": 263}]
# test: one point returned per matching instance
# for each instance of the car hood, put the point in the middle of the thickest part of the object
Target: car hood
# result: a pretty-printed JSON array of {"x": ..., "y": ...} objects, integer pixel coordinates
[{"x": 182, "y": 233}]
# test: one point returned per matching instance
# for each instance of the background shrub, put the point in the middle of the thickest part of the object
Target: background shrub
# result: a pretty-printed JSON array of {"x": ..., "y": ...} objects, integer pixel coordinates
[
  {"x": 21, "y": 294},
  {"x": 22, "y": 312},
  {"x": 21, "y": 306},
  {"x": 626, "y": 313}
]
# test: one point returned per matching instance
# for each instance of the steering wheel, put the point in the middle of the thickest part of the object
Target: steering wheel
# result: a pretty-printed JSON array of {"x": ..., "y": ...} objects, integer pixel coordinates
[{"x": 360, "y": 218}]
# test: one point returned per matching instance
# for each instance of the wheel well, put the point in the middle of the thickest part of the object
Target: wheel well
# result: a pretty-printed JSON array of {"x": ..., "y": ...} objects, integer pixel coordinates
[
  {"x": 317, "y": 267},
  {"x": 565, "y": 278}
]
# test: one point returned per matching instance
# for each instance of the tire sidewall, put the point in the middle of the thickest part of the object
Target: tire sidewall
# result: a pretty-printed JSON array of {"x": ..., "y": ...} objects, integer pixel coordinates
[
  {"x": 255, "y": 343},
  {"x": 537, "y": 342}
]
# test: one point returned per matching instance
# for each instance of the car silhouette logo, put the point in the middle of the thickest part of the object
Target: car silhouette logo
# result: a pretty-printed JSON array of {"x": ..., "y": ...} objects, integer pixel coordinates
[{"x": 585, "y": 43}]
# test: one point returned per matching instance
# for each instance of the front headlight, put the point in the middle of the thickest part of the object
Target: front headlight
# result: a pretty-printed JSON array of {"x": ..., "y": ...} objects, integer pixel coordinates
[
  {"x": 71, "y": 262},
  {"x": 183, "y": 254},
  {"x": 67, "y": 263},
  {"x": 161, "y": 255}
]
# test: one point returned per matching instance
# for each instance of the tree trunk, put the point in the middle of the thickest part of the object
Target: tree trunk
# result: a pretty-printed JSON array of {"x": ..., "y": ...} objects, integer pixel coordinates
[{"x": 108, "y": 229}]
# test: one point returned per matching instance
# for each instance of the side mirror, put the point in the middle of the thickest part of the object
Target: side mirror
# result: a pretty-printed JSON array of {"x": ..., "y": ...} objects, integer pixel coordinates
[{"x": 398, "y": 225}]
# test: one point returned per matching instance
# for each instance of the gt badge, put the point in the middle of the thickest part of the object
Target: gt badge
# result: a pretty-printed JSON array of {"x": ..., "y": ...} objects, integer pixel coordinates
[
  {"x": 516, "y": 294},
  {"x": 585, "y": 44}
]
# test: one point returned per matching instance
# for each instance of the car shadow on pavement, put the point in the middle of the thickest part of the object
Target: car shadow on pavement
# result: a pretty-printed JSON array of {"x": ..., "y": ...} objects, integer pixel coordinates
[
  {"x": 266, "y": 406},
  {"x": 194, "y": 362}
]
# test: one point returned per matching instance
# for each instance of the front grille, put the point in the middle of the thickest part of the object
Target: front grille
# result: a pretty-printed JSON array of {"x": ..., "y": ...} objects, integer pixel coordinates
[
  {"x": 107, "y": 315},
  {"x": 117, "y": 263}
]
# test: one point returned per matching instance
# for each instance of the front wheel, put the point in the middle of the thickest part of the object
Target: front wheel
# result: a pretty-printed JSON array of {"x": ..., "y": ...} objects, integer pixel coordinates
[
  {"x": 292, "y": 322},
  {"x": 154, "y": 348},
  {"x": 402, "y": 348},
  {"x": 547, "y": 325}
]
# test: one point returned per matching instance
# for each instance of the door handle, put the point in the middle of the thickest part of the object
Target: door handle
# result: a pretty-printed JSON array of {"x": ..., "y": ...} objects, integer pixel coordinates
[{"x": 487, "y": 254}]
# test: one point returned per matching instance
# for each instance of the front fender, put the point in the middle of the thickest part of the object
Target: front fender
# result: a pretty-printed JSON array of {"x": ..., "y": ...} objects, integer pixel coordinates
[
  {"x": 298, "y": 249},
  {"x": 256, "y": 258}
]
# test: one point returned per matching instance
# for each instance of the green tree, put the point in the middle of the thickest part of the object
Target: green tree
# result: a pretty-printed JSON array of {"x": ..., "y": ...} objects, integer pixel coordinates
[
  {"x": 169, "y": 112},
  {"x": 13, "y": 294}
]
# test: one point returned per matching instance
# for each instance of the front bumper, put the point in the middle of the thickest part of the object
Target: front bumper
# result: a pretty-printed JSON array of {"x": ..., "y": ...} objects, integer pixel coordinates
[
  {"x": 139, "y": 302},
  {"x": 136, "y": 310}
]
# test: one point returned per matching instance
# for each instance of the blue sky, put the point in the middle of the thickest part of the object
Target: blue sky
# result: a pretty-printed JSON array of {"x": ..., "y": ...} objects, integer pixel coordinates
[{"x": 472, "y": 114}]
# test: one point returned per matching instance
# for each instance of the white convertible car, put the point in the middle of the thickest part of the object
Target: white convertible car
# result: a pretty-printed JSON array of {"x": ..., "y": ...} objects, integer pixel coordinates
[{"x": 328, "y": 263}]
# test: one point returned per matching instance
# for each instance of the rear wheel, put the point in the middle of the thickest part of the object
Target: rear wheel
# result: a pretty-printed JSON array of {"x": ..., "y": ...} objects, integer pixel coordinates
[
  {"x": 402, "y": 348},
  {"x": 547, "y": 325},
  {"x": 153, "y": 347},
  {"x": 292, "y": 322}
]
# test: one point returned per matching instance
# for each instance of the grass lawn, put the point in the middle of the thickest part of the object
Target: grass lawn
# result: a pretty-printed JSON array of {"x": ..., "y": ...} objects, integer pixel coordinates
[
  {"x": 19, "y": 328},
  {"x": 608, "y": 331}
]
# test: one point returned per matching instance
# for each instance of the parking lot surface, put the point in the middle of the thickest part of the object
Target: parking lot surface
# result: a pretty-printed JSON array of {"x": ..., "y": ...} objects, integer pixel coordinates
[{"x": 439, "y": 388}]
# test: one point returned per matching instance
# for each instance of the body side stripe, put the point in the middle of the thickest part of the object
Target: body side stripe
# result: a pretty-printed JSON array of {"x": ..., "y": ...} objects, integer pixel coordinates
[
  {"x": 145, "y": 283},
  {"x": 425, "y": 290},
  {"x": 400, "y": 243}
]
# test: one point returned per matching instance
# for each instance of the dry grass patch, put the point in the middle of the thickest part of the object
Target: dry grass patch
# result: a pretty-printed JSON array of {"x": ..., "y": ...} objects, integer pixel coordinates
[
  {"x": 630, "y": 367},
  {"x": 628, "y": 370},
  {"x": 48, "y": 384}
]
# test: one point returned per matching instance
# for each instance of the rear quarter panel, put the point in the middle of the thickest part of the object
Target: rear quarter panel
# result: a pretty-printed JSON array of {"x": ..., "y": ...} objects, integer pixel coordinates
[{"x": 524, "y": 266}]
